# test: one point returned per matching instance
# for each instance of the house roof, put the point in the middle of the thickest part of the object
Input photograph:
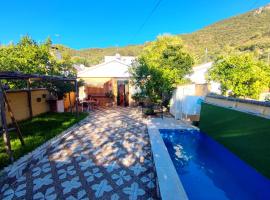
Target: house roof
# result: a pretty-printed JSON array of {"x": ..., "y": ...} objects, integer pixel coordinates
[{"x": 111, "y": 69}]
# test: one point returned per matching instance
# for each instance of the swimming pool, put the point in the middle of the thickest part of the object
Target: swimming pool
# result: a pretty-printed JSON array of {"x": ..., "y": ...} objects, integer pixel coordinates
[{"x": 209, "y": 171}]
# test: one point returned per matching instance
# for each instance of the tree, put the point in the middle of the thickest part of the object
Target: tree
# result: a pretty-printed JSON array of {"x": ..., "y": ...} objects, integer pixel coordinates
[
  {"x": 241, "y": 75},
  {"x": 162, "y": 65},
  {"x": 27, "y": 56}
]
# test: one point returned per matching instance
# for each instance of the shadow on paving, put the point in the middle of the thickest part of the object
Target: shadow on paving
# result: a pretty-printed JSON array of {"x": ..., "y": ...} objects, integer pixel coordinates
[{"x": 107, "y": 157}]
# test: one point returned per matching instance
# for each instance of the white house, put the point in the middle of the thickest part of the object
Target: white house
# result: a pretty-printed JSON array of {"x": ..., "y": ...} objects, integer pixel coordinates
[
  {"x": 199, "y": 77},
  {"x": 110, "y": 78},
  {"x": 79, "y": 67},
  {"x": 186, "y": 100},
  {"x": 123, "y": 59}
]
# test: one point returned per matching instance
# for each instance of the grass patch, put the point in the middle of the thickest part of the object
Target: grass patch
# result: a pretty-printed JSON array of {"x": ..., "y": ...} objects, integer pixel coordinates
[
  {"x": 36, "y": 131},
  {"x": 246, "y": 135}
]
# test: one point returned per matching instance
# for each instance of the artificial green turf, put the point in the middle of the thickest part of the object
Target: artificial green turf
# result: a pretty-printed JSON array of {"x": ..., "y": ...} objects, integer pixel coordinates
[
  {"x": 246, "y": 135},
  {"x": 36, "y": 131}
]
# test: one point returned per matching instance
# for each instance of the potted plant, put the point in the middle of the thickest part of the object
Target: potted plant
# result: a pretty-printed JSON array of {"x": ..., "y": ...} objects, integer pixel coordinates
[
  {"x": 59, "y": 89},
  {"x": 110, "y": 95},
  {"x": 139, "y": 99},
  {"x": 60, "y": 101}
]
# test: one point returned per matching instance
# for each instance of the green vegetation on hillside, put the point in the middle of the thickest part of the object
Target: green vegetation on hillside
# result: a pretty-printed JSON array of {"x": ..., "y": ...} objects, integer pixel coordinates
[
  {"x": 94, "y": 56},
  {"x": 247, "y": 32},
  {"x": 244, "y": 134}
]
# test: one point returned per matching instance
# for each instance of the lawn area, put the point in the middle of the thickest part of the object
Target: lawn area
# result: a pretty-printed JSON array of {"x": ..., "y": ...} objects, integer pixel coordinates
[
  {"x": 36, "y": 131},
  {"x": 246, "y": 135}
]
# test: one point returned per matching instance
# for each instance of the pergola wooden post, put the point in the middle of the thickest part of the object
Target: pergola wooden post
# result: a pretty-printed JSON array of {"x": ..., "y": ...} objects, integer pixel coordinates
[
  {"x": 29, "y": 98},
  {"x": 19, "y": 133},
  {"x": 77, "y": 97},
  {"x": 6, "y": 136}
]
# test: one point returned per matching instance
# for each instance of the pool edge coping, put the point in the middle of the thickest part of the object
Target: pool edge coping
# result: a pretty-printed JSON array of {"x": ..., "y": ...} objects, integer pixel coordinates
[{"x": 169, "y": 183}]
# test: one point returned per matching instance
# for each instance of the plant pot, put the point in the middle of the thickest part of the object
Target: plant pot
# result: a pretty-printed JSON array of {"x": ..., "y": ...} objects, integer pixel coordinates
[
  {"x": 60, "y": 106},
  {"x": 52, "y": 104}
]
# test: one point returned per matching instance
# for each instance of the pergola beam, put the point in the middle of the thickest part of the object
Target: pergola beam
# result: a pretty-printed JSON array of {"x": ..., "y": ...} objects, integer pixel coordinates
[
  {"x": 9, "y": 75},
  {"x": 77, "y": 97}
]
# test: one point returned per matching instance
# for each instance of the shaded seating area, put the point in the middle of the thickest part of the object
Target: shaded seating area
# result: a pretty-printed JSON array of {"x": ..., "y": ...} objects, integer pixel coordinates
[
  {"x": 88, "y": 104},
  {"x": 94, "y": 95}
]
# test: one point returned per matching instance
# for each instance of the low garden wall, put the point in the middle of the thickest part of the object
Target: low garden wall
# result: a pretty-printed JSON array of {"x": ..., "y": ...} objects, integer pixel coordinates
[
  {"x": 247, "y": 135},
  {"x": 183, "y": 102},
  {"x": 18, "y": 100},
  {"x": 251, "y": 106}
]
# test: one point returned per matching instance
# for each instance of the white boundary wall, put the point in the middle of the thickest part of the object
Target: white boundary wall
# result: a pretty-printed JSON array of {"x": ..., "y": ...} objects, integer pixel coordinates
[{"x": 184, "y": 101}]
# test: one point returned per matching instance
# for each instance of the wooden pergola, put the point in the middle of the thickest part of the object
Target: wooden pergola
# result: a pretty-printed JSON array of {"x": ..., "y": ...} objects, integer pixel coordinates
[{"x": 8, "y": 75}]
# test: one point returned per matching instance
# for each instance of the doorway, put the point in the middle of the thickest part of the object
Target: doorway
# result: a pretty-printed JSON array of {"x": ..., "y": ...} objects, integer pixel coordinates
[{"x": 122, "y": 93}]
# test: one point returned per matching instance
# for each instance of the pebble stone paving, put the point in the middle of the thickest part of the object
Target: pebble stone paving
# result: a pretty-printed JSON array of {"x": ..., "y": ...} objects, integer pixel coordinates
[{"x": 108, "y": 156}]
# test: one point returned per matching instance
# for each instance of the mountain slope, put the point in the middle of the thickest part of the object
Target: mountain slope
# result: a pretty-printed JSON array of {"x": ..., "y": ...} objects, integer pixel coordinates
[
  {"x": 94, "y": 56},
  {"x": 246, "y": 32}
]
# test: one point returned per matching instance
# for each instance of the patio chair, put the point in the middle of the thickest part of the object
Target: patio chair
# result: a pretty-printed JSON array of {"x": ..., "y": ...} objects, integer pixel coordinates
[{"x": 86, "y": 105}]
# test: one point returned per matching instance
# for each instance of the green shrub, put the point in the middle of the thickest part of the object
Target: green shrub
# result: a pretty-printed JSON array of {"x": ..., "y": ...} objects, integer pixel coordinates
[{"x": 4, "y": 159}]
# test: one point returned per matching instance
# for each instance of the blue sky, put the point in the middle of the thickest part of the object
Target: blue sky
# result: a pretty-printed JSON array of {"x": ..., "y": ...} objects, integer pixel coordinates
[{"x": 103, "y": 23}]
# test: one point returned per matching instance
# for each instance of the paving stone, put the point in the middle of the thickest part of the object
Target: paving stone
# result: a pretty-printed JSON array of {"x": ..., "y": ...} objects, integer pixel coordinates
[{"x": 108, "y": 156}]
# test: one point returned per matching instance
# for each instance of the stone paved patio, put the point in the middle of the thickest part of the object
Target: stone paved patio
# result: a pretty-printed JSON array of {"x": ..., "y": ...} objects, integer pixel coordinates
[{"x": 107, "y": 157}]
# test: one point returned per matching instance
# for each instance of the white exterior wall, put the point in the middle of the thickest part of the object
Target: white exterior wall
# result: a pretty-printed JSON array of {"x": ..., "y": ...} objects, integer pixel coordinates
[
  {"x": 111, "y": 69},
  {"x": 114, "y": 67},
  {"x": 184, "y": 102},
  {"x": 199, "y": 77},
  {"x": 82, "y": 94},
  {"x": 215, "y": 87},
  {"x": 124, "y": 59},
  {"x": 199, "y": 73}
]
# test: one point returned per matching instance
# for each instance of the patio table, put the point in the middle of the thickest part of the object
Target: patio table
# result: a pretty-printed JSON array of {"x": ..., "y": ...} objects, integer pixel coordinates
[{"x": 90, "y": 104}]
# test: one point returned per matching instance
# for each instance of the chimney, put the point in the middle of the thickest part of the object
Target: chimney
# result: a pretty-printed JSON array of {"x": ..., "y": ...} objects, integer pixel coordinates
[{"x": 118, "y": 56}]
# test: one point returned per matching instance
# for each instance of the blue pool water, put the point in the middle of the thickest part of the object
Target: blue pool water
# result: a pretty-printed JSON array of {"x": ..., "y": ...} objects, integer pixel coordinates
[{"x": 209, "y": 171}]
